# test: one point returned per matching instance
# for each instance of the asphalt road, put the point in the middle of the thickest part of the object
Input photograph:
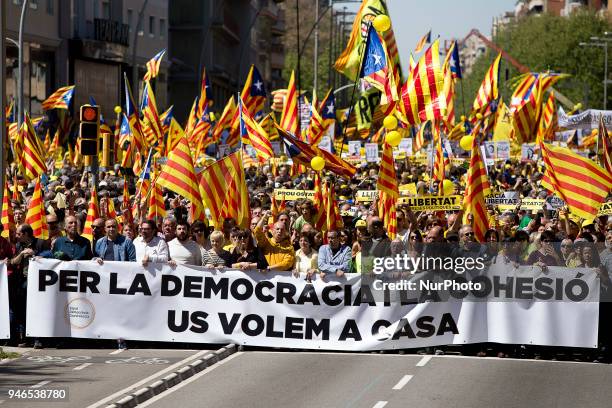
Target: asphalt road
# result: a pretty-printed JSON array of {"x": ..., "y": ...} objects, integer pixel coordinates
[
  {"x": 93, "y": 377},
  {"x": 292, "y": 379}
]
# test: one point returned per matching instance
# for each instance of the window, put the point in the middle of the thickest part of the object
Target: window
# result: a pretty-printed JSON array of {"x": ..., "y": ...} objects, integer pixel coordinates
[
  {"x": 139, "y": 27},
  {"x": 151, "y": 26},
  {"x": 50, "y": 7},
  {"x": 34, "y": 4},
  {"x": 130, "y": 14},
  {"x": 106, "y": 10},
  {"x": 162, "y": 28}
]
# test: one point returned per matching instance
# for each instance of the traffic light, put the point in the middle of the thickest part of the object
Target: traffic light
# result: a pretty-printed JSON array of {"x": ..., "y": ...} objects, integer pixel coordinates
[{"x": 89, "y": 129}]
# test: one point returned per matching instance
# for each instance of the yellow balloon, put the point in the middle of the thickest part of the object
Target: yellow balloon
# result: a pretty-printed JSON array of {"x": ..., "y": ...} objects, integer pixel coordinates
[
  {"x": 595, "y": 132},
  {"x": 382, "y": 23},
  {"x": 466, "y": 142},
  {"x": 578, "y": 106},
  {"x": 390, "y": 122},
  {"x": 479, "y": 116},
  {"x": 448, "y": 187},
  {"x": 463, "y": 118},
  {"x": 317, "y": 163},
  {"x": 393, "y": 138},
  {"x": 117, "y": 109}
]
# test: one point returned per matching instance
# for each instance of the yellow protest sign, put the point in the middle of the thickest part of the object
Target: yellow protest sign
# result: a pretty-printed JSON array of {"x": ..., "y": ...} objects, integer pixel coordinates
[
  {"x": 366, "y": 195},
  {"x": 503, "y": 124},
  {"x": 533, "y": 204},
  {"x": 292, "y": 195},
  {"x": 605, "y": 209},
  {"x": 408, "y": 189}
]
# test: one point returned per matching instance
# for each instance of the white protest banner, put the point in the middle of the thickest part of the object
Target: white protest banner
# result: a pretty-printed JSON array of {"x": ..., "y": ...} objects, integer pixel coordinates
[
  {"x": 528, "y": 151},
  {"x": 224, "y": 150},
  {"x": 276, "y": 147},
  {"x": 355, "y": 312},
  {"x": 371, "y": 152},
  {"x": 5, "y": 326},
  {"x": 405, "y": 146},
  {"x": 326, "y": 144},
  {"x": 588, "y": 119},
  {"x": 503, "y": 150},
  {"x": 489, "y": 161},
  {"x": 354, "y": 149}
]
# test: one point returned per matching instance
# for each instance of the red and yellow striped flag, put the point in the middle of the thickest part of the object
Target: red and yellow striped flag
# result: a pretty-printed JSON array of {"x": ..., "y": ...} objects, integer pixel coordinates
[
  {"x": 319, "y": 202},
  {"x": 93, "y": 212},
  {"x": 477, "y": 188},
  {"x": 153, "y": 65},
  {"x": 36, "y": 213},
  {"x": 438, "y": 170},
  {"x": 426, "y": 39},
  {"x": 16, "y": 196},
  {"x": 289, "y": 119},
  {"x": 178, "y": 174},
  {"x": 192, "y": 120},
  {"x": 31, "y": 157},
  {"x": 216, "y": 181},
  {"x": 488, "y": 90},
  {"x": 388, "y": 190},
  {"x": 151, "y": 124},
  {"x": 225, "y": 120},
  {"x": 606, "y": 144},
  {"x": 59, "y": 99},
  {"x": 255, "y": 134},
  {"x": 578, "y": 181},
  {"x": 423, "y": 93},
  {"x": 157, "y": 208},
  {"x": 548, "y": 121},
  {"x": 332, "y": 210},
  {"x": 8, "y": 220},
  {"x": 387, "y": 180},
  {"x": 419, "y": 140}
]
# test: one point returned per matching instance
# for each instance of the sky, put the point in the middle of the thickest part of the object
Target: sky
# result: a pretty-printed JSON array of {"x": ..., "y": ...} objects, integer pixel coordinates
[{"x": 411, "y": 19}]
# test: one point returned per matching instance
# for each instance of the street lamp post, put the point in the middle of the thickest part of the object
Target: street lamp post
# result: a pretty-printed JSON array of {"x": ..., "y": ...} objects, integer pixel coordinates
[
  {"x": 602, "y": 43},
  {"x": 24, "y": 6}
]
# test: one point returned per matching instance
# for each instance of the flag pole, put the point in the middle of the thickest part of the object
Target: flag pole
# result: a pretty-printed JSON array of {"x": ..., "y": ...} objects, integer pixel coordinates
[
  {"x": 599, "y": 136},
  {"x": 357, "y": 79}
]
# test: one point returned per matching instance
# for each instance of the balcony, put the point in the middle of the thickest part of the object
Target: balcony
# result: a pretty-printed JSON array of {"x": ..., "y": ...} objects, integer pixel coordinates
[{"x": 111, "y": 31}]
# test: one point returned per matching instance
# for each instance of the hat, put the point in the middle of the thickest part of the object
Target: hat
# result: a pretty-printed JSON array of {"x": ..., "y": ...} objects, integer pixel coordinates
[
  {"x": 586, "y": 223},
  {"x": 360, "y": 224}
]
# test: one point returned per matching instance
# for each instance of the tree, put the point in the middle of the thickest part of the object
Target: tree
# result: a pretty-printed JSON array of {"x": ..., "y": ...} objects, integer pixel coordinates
[{"x": 546, "y": 42}]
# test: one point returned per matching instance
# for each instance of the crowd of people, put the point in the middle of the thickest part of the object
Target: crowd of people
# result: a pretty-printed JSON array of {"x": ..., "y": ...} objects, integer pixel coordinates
[{"x": 287, "y": 240}]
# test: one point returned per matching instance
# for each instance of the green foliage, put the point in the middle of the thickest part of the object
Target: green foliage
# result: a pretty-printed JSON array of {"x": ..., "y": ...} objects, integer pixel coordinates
[{"x": 545, "y": 42}]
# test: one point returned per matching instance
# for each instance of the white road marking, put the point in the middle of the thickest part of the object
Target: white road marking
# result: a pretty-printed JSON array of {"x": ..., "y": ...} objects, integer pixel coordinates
[
  {"x": 424, "y": 361},
  {"x": 40, "y": 384},
  {"x": 402, "y": 382},
  {"x": 189, "y": 380},
  {"x": 134, "y": 386},
  {"x": 1, "y": 401},
  {"x": 380, "y": 404},
  {"x": 82, "y": 366},
  {"x": 117, "y": 351}
]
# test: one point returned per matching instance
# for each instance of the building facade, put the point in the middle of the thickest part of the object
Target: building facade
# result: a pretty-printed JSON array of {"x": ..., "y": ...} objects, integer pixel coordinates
[
  {"x": 88, "y": 43},
  {"x": 225, "y": 37}
]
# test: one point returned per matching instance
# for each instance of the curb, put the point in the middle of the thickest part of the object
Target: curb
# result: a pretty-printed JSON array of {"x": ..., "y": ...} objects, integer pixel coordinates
[{"x": 143, "y": 394}]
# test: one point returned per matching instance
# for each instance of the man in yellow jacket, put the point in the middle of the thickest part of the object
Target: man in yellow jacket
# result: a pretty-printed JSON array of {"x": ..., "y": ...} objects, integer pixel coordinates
[{"x": 277, "y": 250}]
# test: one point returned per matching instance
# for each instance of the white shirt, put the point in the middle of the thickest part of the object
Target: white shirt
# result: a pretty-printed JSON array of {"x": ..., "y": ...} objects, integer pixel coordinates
[
  {"x": 187, "y": 252},
  {"x": 156, "y": 249}
]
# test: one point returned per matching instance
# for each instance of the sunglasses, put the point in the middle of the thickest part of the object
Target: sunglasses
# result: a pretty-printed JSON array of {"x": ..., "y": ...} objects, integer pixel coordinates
[{"x": 468, "y": 234}]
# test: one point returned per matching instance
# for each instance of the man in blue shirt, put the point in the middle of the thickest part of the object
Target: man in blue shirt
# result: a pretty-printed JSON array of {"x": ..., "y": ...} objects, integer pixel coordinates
[
  {"x": 334, "y": 258},
  {"x": 72, "y": 247},
  {"x": 114, "y": 247}
]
